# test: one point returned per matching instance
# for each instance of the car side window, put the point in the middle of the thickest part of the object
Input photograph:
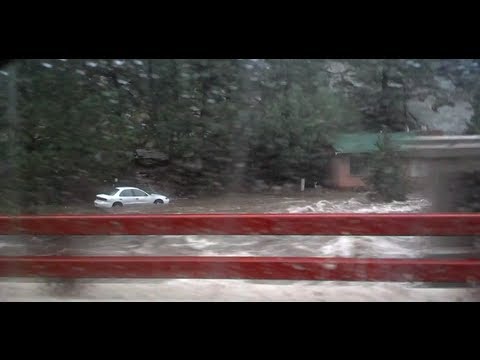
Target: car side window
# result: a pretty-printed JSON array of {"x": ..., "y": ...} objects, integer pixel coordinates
[
  {"x": 127, "y": 193},
  {"x": 139, "y": 193}
]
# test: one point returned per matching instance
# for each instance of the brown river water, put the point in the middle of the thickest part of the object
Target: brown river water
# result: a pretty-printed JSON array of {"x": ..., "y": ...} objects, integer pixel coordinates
[{"x": 235, "y": 290}]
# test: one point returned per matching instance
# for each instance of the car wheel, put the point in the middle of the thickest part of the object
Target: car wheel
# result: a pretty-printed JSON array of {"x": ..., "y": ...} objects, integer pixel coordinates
[
  {"x": 117, "y": 204},
  {"x": 158, "y": 202}
]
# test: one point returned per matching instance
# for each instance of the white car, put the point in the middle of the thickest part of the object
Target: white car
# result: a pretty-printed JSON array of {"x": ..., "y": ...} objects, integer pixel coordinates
[{"x": 124, "y": 196}]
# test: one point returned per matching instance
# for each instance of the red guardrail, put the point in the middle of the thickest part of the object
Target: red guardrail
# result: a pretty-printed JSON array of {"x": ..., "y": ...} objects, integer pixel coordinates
[
  {"x": 273, "y": 268},
  {"x": 267, "y": 268},
  {"x": 245, "y": 224}
]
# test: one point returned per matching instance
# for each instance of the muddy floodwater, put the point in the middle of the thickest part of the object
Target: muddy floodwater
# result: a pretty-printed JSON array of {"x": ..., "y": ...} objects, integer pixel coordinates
[{"x": 236, "y": 290}]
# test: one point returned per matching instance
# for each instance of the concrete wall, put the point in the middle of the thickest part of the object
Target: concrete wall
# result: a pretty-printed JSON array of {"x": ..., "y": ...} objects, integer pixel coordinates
[{"x": 416, "y": 168}]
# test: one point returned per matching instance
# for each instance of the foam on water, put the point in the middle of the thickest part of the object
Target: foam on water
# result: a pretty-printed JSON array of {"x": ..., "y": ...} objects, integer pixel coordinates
[
  {"x": 368, "y": 246},
  {"x": 361, "y": 205}
]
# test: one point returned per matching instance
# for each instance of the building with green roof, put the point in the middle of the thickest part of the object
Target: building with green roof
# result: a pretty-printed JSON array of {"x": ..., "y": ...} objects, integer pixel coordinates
[{"x": 349, "y": 165}]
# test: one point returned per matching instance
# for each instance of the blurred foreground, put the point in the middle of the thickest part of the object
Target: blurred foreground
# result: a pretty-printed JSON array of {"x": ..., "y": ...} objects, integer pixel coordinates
[{"x": 237, "y": 290}]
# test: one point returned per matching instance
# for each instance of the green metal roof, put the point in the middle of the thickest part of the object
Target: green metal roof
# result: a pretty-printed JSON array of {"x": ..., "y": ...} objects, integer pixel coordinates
[{"x": 364, "y": 142}]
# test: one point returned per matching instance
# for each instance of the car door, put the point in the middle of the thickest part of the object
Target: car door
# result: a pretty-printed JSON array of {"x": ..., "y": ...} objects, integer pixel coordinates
[
  {"x": 127, "y": 197},
  {"x": 141, "y": 197}
]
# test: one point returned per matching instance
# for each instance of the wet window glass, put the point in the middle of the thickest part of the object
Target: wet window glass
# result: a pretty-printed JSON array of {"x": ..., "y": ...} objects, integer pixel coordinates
[
  {"x": 139, "y": 193},
  {"x": 123, "y": 138}
]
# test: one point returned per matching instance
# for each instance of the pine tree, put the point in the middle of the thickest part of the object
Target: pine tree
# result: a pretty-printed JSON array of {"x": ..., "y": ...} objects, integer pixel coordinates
[{"x": 387, "y": 177}]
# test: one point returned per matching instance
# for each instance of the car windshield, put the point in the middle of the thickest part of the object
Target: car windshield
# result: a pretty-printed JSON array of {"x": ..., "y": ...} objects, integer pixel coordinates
[{"x": 113, "y": 192}]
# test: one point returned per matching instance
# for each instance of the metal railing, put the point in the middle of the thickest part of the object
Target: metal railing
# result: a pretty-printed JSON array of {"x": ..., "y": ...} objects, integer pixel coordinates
[{"x": 231, "y": 267}]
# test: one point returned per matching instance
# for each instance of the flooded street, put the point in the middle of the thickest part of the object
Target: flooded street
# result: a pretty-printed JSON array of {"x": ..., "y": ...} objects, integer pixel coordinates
[{"x": 237, "y": 290}]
